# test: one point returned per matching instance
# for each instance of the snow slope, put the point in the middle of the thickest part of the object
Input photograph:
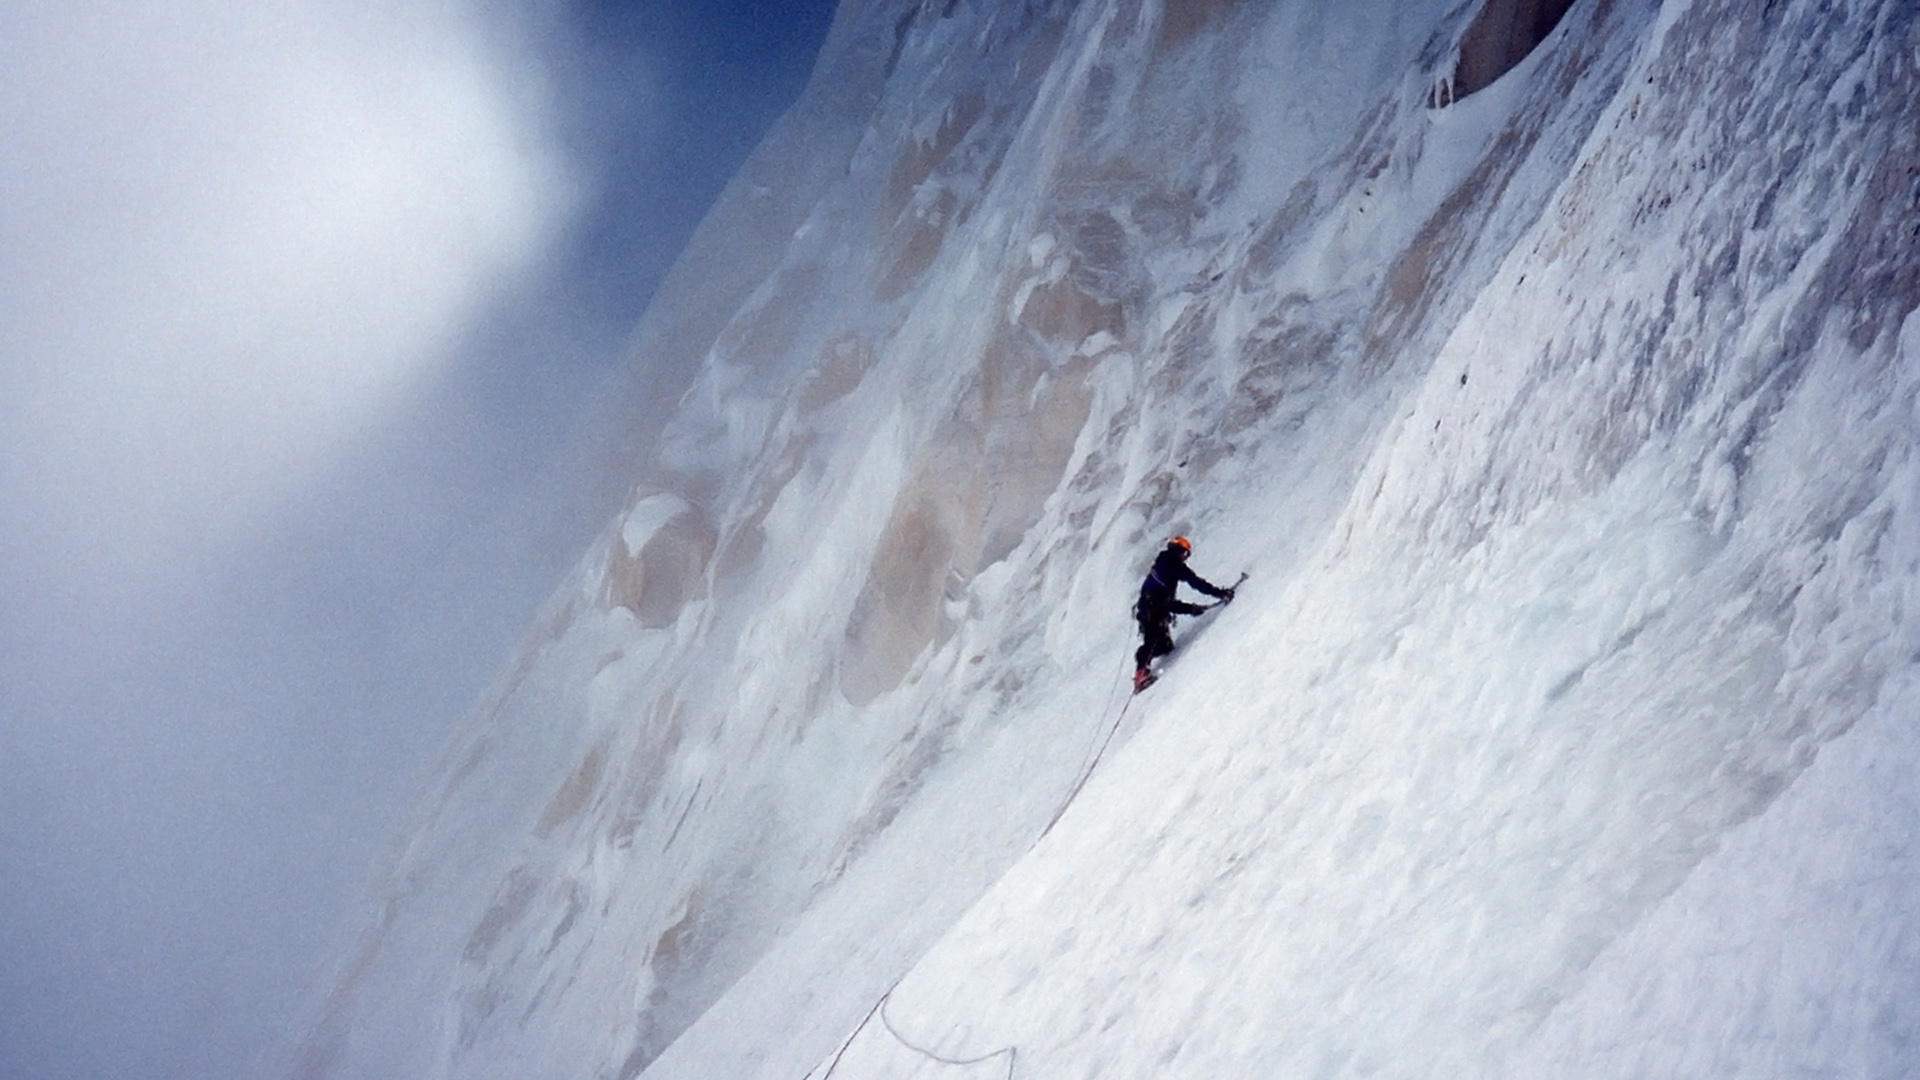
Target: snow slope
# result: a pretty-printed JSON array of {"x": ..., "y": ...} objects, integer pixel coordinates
[{"x": 1565, "y": 426}]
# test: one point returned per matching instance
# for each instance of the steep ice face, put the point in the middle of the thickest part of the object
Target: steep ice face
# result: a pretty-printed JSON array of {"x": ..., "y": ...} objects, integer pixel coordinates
[{"x": 1565, "y": 427}]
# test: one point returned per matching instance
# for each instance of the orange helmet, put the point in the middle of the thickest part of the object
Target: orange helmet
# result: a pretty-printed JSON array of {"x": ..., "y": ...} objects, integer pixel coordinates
[{"x": 1181, "y": 543}]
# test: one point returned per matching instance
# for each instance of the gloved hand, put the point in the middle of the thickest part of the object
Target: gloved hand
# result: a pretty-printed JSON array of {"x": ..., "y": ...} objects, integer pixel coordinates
[{"x": 1228, "y": 597}]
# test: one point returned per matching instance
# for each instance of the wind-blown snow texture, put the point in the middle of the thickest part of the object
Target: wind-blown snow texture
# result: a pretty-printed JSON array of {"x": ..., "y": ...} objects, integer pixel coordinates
[{"x": 1555, "y": 376}]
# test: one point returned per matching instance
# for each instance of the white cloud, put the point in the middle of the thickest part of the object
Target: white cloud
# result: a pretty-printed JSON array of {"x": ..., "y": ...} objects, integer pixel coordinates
[{"x": 231, "y": 235}]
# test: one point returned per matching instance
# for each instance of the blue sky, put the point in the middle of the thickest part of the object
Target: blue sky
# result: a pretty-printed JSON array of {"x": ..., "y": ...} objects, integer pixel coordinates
[{"x": 302, "y": 308}]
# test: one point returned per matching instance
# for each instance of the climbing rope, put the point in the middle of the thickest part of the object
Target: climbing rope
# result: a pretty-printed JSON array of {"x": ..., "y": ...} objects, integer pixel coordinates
[
  {"x": 1009, "y": 1051},
  {"x": 852, "y": 1035},
  {"x": 880, "y": 1009},
  {"x": 1086, "y": 770},
  {"x": 1092, "y": 763}
]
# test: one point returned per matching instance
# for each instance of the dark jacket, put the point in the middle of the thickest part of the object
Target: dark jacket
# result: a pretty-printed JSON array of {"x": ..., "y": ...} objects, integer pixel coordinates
[{"x": 1157, "y": 600}]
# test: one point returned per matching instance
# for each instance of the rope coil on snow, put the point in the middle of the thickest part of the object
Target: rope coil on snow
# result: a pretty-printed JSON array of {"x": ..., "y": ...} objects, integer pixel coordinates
[
  {"x": 880, "y": 1009},
  {"x": 887, "y": 1023}
]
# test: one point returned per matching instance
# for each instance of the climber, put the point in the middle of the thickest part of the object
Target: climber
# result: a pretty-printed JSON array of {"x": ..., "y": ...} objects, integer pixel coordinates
[{"x": 1158, "y": 605}]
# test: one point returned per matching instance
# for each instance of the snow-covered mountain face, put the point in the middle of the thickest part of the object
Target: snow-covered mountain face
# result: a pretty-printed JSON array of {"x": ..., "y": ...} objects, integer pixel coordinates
[{"x": 1554, "y": 372}]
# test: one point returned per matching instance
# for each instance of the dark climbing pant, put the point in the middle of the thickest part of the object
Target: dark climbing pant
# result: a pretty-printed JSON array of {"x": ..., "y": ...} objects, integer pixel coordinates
[{"x": 1156, "y": 639}]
